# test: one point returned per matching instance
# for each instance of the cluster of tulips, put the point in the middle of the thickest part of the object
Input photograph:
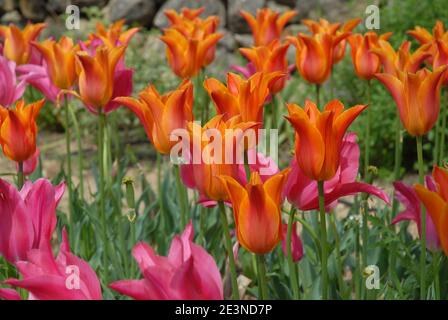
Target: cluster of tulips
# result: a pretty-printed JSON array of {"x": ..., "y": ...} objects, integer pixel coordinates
[{"x": 324, "y": 167}]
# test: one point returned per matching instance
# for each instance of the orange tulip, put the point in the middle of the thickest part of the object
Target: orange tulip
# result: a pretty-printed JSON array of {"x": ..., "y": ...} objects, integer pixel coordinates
[
  {"x": 206, "y": 170},
  {"x": 257, "y": 210},
  {"x": 242, "y": 97},
  {"x": 175, "y": 18},
  {"x": 191, "y": 41},
  {"x": 402, "y": 59},
  {"x": 96, "y": 77},
  {"x": 436, "y": 202},
  {"x": 335, "y": 30},
  {"x": 114, "y": 35},
  {"x": 61, "y": 61},
  {"x": 268, "y": 25},
  {"x": 319, "y": 136},
  {"x": 268, "y": 59},
  {"x": 366, "y": 62},
  {"x": 18, "y": 130},
  {"x": 423, "y": 36},
  {"x": 17, "y": 42},
  {"x": 417, "y": 96},
  {"x": 161, "y": 114},
  {"x": 186, "y": 54},
  {"x": 314, "y": 58}
]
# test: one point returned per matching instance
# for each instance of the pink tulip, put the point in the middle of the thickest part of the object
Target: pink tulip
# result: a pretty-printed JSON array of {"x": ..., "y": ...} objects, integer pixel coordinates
[
  {"x": 9, "y": 294},
  {"x": 38, "y": 77},
  {"x": 296, "y": 242},
  {"x": 302, "y": 191},
  {"x": 10, "y": 89},
  {"x": 65, "y": 278},
  {"x": 188, "y": 272},
  {"x": 30, "y": 165},
  {"x": 27, "y": 218},
  {"x": 412, "y": 212}
]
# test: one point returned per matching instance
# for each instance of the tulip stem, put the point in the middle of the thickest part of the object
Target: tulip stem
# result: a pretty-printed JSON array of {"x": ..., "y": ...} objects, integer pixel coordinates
[
  {"x": 261, "y": 269},
  {"x": 442, "y": 133},
  {"x": 292, "y": 269},
  {"x": 274, "y": 113},
  {"x": 102, "y": 209},
  {"x": 20, "y": 176},
  {"x": 228, "y": 244},
  {"x": 323, "y": 237},
  {"x": 318, "y": 95},
  {"x": 435, "y": 261},
  {"x": 423, "y": 220},
  {"x": 182, "y": 198},
  {"x": 69, "y": 161},
  {"x": 397, "y": 165},
  {"x": 246, "y": 165},
  {"x": 367, "y": 132},
  {"x": 80, "y": 157}
]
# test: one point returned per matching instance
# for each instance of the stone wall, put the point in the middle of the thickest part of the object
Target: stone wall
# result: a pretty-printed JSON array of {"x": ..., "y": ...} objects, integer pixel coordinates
[{"x": 149, "y": 13}]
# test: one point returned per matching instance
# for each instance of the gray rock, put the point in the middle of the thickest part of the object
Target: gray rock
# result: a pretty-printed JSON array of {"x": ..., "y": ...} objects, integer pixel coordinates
[
  {"x": 212, "y": 7},
  {"x": 12, "y": 17},
  {"x": 282, "y": 8},
  {"x": 8, "y": 5},
  {"x": 57, "y": 6},
  {"x": 244, "y": 40},
  {"x": 236, "y": 23},
  {"x": 89, "y": 3},
  {"x": 333, "y": 10},
  {"x": 289, "y": 3},
  {"x": 140, "y": 11},
  {"x": 33, "y": 9},
  {"x": 227, "y": 41}
]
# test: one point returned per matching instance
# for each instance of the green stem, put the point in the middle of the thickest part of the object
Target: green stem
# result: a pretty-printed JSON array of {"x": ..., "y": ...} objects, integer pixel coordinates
[
  {"x": 228, "y": 244},
  {"x": 357, "y": 280},
  {"x": 20, "y": 176},
  {"x": 421, "y": 177},
  {"x": 292, "y": 269},
  {"x": 182, "y": 200},
  {"x": 442, "y": 133},
  {"x": 246, "y": 165},
  {"x": 323, "y": 235},
  {"x": 318, "y": 96},
  {"x": 332, "y": 83},
  {"x": 274, "y": 108},
  {"x": 395, "y": 203},
  {"x": 102, "y": 209},
  {"x": 80, "y": 154},
  {"x": 338, "y": 255},
  {"x": 367, "y": 132},
  {"x": 69, "y": 161},
  {"x": 435, "y": 260},
  {"x": 261, "y": 269}
]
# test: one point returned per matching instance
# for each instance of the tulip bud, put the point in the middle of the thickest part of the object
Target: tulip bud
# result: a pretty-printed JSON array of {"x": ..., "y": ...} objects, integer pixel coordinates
[{"x": 130, "y": 198}]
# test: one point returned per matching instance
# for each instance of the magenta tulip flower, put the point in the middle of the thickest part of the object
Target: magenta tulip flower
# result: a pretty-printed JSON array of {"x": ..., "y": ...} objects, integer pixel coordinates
[
  {"x": 38, "y": 77},
  {"x": 188, "y": 272},
  {"x": 296, "y": 242},
  {"x": 412, "y": 212},
  {"x": 27, "y": 218},
  {"x": 45, "y": 278},
  {"x": 11, "y": 90},
  {"x": 302, "y": 191}
]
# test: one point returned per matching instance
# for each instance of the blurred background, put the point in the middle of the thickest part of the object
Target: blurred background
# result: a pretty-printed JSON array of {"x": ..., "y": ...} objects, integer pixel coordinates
[{"x": 146, "y": 54}]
